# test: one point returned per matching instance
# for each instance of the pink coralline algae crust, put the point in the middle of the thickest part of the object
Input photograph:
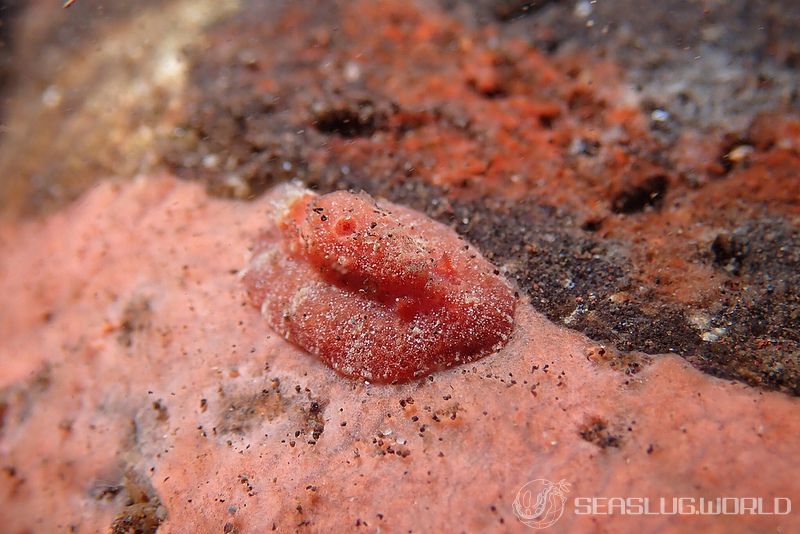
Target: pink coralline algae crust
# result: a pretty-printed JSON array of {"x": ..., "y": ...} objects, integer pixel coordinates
[
  {"x": 136, "y": 355},
  {"x": 376, "y": 290}
]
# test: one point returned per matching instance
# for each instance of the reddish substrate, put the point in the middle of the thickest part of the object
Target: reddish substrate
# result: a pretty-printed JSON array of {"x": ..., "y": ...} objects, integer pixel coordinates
[
  {"x": 550, "y": 164},
  {"x": 139, "y": 390}
]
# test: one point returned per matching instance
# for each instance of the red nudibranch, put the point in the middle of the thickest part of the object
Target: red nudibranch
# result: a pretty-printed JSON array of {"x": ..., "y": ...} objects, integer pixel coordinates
[{"x": 376, "y": 290}]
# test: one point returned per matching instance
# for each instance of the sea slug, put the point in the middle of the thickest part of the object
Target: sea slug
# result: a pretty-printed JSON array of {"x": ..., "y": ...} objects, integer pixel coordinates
[{"x": 376, "y": 290}]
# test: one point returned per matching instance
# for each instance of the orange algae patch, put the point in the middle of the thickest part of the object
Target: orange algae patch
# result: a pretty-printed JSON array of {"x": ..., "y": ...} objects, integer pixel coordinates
[{"x": 376, "y": 290}]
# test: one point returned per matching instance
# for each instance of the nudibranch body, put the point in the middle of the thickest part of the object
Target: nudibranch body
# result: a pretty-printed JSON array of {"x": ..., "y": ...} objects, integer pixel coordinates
[{"x": 376, "y": 290}]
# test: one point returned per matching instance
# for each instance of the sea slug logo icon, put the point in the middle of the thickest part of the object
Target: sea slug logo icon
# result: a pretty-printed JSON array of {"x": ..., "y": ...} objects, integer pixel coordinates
[{"x": 540, "y": 502}]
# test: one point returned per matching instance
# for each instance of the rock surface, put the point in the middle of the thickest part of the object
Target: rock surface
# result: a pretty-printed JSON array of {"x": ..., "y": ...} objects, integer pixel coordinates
[
  {"x": 633, "y": 170},
  {"x": 140, "y": 388}
]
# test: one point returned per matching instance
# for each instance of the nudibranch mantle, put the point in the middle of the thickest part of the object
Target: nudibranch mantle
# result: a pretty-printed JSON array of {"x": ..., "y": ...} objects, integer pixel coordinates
[{"x": 376, "y": 290}]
